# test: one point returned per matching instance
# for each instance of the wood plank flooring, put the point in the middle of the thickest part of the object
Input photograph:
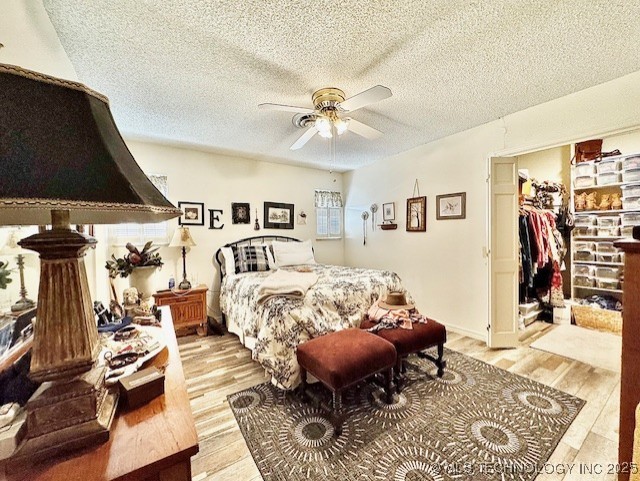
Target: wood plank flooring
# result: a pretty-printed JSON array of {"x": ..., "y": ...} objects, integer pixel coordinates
[{"x": 217, "y": 366}]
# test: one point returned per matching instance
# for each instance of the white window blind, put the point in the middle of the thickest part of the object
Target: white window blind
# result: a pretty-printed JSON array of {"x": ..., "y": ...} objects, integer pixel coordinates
[
  {"x": 328, "y": 214},
  {"x": 138, "y": 234}
]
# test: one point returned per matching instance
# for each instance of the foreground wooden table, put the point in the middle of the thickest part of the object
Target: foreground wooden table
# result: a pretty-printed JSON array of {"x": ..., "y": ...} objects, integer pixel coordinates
[{"x": 152, "y": 443}]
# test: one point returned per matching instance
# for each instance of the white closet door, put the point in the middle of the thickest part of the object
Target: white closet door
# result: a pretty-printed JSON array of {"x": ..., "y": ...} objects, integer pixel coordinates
[{"x": 504, "y": 252}]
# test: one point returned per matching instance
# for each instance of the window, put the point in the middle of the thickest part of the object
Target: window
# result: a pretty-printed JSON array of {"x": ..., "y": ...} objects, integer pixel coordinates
[
  {"x": 328, "y": 214},
  {"x": 138, "y": 234}
]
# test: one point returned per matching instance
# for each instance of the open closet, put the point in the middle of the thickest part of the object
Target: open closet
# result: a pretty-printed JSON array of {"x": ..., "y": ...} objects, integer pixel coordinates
[{"x": 571, "y": 211}]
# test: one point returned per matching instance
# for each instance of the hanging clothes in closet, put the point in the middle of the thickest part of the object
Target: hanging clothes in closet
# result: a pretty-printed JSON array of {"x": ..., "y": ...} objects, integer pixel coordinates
[{"x": 542, "y": 250}]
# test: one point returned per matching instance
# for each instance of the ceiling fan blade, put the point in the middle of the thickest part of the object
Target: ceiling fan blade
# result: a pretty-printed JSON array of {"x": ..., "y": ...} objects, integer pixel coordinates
[
  {"x": 372, "y": 95},
  {"x": 286, "y": 108},
  {"x": 364, "y": 130},
  {"x": 304, "y": 138}
]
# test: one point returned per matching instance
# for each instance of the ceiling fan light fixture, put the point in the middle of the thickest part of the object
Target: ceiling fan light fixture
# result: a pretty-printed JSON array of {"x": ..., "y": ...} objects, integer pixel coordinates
[
  {"x": 323, "y": 124},
  {"x": 341, "y": 125},
  {"x": 325, "y": 134}
]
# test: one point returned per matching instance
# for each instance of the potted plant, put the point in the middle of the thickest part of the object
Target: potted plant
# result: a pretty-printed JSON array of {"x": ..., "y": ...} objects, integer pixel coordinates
[
  {"x": 138, "y": 265},
  {"x": 4, "y": 275}
]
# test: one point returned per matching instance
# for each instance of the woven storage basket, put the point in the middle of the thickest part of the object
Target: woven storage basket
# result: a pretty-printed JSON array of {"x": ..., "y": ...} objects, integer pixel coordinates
[{"x": 601, "y": 319}]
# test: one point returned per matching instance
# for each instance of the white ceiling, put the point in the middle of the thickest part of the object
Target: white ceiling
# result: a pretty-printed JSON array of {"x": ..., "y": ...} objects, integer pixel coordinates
[{"x": 194, "y": 71}]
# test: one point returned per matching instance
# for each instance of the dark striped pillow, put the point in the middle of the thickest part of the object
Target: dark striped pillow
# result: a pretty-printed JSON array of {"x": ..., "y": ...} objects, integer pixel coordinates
[{"x": 250, "y": 258}]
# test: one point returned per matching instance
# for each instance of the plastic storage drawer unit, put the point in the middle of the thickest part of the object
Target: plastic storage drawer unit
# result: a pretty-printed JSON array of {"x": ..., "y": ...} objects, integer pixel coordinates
[
  {"x": 586, "y": 231},
  {"x": 584, "y": 246},
  {"x": 626, "y": 231},
  {"x": 609, "y": 221},
  {"x": 584, "y": 169},
  {"x": 606, "y": 248},
  {"x": 604, "y": 283},
  {"x": 585, "y": 181},
  {"x": 583, "y": 270},
  {"x": 606, "y": 166},
  {"x": 609, "y": 178},
  {"x": 631, "y": 203},
  {"x": 584, "y": 281},
  {"x": 631, "y": 218},
  {"x": 632, "y": 190},
  {"x": 608, "y": 272},
  {"x": 608, "y": 258},
  {"x": 586, "y": 220},
  {"x": 631, "y": 175},
  {"x": 632, "y": 162},
  {"x": 608, "y": 231},
  {"x": 584, "y": 256}
]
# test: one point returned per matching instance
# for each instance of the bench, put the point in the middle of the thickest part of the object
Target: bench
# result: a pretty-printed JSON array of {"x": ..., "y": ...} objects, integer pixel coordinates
[{"x": 344, "y": 358}]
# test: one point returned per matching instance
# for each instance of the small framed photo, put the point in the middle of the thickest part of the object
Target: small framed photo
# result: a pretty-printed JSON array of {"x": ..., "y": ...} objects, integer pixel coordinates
[
  {"x": 192, "y": 213},
  {"x": 417, "y": 214},
  {"x": 278, "y": 215},
  {"x": 389, "y": 211},
  {"x": 451, "y": 206},
  {"x": 240, "y": 213}
]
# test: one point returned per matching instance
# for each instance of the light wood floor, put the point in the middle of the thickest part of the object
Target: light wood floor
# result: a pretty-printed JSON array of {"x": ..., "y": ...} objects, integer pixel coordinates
[{"x": 217, "y": 366}]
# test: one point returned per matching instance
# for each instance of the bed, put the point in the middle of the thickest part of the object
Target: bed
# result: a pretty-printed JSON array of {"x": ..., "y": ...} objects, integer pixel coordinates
[{"x": 273, "y": 329}]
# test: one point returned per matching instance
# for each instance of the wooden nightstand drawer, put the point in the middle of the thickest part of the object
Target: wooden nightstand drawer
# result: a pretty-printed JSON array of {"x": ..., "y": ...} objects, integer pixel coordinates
[{"x": 188, "y": 308}]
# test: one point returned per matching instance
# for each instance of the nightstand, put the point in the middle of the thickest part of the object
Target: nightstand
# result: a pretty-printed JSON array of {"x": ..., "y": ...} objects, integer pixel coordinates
[{"x": 188, "y": 308}]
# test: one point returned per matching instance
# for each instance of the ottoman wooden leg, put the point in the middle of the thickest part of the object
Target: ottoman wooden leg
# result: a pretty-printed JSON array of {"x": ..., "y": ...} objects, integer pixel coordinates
[
  {"x": 388, "y": 388},
  {"x": 398, "y": 374},
  {"x": 440, "y": 363},
  {"x": 337, "y": 412},
  {"x": 303, "y": 383}
]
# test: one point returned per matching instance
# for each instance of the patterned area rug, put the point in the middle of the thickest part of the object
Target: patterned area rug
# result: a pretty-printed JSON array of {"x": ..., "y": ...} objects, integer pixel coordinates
[{"x": 477, "y": 423}]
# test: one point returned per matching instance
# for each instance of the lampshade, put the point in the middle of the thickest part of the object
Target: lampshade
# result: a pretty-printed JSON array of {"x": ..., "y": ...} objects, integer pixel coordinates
[
  {"x": 61, "y": 150},
  {"x": 64, "y": 162},
  {"x": 182, "y": 238}
]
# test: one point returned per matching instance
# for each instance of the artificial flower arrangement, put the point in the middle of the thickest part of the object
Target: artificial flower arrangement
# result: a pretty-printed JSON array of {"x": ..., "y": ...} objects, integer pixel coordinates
[
  {"x": 4, "y": 275},
  {"x": 124, "y": 266}
]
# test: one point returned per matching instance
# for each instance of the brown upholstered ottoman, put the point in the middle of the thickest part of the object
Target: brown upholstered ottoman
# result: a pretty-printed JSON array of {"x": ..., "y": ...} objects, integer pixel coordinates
[
  {"x": 408, "y": 341},
  {"x": 343, "y": 358}
]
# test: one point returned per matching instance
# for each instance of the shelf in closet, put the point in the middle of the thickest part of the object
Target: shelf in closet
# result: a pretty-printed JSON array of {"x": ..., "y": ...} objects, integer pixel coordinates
[
  {"x": 596, "y": 238},
  {"x": 605, "y": 212},
  {"x": 596, "y": 263},
  {"x": 617, "y": 184},
  {"x": 599, "y": 289}
]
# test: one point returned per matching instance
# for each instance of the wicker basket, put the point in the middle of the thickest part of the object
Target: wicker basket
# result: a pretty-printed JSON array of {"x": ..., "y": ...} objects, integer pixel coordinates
[{"x": 601, "y": 319}]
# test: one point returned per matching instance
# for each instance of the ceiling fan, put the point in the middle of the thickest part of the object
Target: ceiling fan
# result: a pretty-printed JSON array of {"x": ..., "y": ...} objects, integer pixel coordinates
[{"x": 328, "y": 115}]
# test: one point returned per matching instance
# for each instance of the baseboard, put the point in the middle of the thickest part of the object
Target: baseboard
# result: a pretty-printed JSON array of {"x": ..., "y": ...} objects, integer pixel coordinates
[{"x": 465, "y": 332}]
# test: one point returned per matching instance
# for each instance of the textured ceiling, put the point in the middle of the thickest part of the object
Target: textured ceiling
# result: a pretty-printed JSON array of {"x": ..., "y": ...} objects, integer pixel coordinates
[{"x": 194, "y": 71}]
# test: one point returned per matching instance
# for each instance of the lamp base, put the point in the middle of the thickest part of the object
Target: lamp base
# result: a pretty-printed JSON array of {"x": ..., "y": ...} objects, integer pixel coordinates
[
  {"x": 184, "y": 285},
  {"x": 63, "y": 416},
  {"x": 22, "y": 305}
]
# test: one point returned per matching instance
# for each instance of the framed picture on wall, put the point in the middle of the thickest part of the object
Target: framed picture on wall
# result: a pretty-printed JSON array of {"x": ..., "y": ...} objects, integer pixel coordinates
[
  {"x": 451, "y": 206},
  {"x": 278, "y": 215},
  {"x": 417, "y": 214},
  {"x": 389, "y": 211},
  {"x": 192, "y": 213},
  {"x": 240, "y": 213}
]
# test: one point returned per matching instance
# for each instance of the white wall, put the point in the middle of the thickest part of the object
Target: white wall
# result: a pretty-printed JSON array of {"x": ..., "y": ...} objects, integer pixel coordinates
[
  {"x": 444, "y": 268},
  {"x": 31, "y": 42},
  {"x": 218, "y": 181}
]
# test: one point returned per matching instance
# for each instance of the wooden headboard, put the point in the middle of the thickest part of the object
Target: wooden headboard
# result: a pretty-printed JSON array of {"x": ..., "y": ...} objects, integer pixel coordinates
[{"x": 261, "y": 239}]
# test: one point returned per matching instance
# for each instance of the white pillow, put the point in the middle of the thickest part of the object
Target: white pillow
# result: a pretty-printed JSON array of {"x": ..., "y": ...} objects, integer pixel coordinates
[
  {"x": 293, "y": 253},
  {"x": 228, "y": 261}
]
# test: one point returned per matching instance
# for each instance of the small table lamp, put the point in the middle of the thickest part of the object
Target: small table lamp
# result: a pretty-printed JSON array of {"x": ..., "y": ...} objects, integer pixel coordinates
[
  {"x": 12, "y": 248},
  {"x": 182, "y": 238},
  {"x": 64, "y": 162}
]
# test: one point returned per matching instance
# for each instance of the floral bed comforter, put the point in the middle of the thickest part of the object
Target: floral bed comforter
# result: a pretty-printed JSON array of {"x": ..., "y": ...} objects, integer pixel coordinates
[{"x": 337, "y": 301}]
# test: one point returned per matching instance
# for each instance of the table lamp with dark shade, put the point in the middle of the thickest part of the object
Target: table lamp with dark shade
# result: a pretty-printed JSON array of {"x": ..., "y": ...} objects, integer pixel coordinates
[{"x": 64, "y": 162}]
